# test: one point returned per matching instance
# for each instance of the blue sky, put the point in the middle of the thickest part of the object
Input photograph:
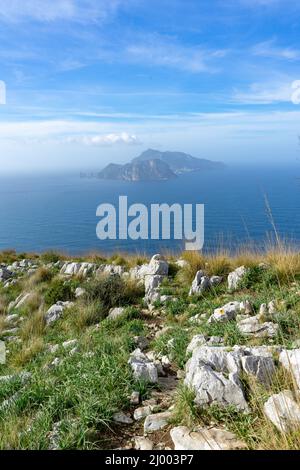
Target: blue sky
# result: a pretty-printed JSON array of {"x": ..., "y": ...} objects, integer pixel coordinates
[{"x": 92, "y": 81}]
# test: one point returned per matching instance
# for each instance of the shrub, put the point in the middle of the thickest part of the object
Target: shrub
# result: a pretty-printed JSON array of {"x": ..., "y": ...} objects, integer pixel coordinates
[
  {"x": 59, "y": 290},
  {"x": 113, "y": 291},
  {"x": 51, "y": 257}
]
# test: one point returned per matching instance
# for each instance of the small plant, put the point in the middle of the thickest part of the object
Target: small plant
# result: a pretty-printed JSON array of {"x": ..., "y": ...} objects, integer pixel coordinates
[
  {"x": 59, "y": 290},
  {"x": 51, "y": 257},
  {"x": 113, "y": 291}
]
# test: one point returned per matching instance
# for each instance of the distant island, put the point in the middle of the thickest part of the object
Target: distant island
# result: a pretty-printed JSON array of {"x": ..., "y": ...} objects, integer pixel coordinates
[{"x": 154, "y": 165}]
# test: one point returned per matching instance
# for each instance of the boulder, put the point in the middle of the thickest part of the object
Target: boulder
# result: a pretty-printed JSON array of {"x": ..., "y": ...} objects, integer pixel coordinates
[
  {"x": 122, "y": 418},
  {"x": 157, "y": 270},
  {"x": 70, "y": 269},
  {"x": 157, "y": 421},
  {"x": 20, "y": 301},
  {"x": 142, "y": 412},
  {"x": 226, "y": 313},
  {"x": 5, "y": 274},
  {"x": 115, "y": 313},
  {"x": 215, "y": 281},
  {"x": 79, "y": 292},
  {"x": 235, "y": 278},
  {"x": 204, "y": 439},
  {"x": 158, "y": 266},
  {"x": 246, "y": 308},
  {"x": 2, "y": 353},
  {"x": 282, "y": 410},
  {"x": 200, "y": 284},
  {"x": 262, "y": 368},
  {"x": 290, "y": 359},
  {"x": 253, "y": 327},
  {"x": 139, "y": 272},
  {"x": 110, "y": 269},
  {"x": 135, "y": 398},
  {"x": 55, "y": 312},
  {"x": 142, "y": 443},
  {"x": 78, "y": 269},
  {"x": 198, "y": 340},
  {"x": 213, "y": 374},
  {"x": 142, "y": 367}
]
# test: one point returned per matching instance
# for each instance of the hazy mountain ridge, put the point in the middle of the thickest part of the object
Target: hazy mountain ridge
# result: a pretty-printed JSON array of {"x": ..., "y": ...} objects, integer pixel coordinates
[{"x": 154, "y": 165}]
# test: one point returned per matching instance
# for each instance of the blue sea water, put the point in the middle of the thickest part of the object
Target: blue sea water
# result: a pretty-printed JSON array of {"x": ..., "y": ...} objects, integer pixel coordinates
[{"x": 43, "y": 212}]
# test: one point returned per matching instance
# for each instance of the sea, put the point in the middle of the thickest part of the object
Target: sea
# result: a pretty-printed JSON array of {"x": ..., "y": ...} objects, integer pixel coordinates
[{"x": 243, "y": 206}]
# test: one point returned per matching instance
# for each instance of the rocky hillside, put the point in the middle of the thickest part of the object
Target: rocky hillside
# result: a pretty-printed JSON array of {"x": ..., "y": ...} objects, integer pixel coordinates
[
  {"x": 179, "y": 162},
  {"x": 150, "y": 170},
  {"x": 182, "y": 353},
  {"x": 154, "y": 165}
]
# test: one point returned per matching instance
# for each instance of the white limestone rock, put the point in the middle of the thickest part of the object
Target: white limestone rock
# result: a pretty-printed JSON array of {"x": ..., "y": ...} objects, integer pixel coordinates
[
  {"x": 235, "y": 278},
  {"x": 157, "y": 421},
  {"x": 290, "y": 359},
  {"x": 282, "y": 410},
  {"x": 204, "y": 439}
]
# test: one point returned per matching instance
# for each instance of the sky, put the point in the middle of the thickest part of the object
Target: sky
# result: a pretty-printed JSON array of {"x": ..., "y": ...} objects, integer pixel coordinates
[{"x": 93, "y": 81}]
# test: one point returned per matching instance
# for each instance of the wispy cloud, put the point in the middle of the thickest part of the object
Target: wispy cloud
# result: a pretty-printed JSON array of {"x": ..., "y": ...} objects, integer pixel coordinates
[
  {"x": 54, "y": 10},
  {"x": 265, "y": 93},
  {"x": 158, "y": 50},
  {"x": 271, "y": 50}
]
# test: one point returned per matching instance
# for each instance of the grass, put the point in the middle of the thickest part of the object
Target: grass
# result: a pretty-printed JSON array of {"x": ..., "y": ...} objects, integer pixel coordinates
[{"x": 81, "y": 393}]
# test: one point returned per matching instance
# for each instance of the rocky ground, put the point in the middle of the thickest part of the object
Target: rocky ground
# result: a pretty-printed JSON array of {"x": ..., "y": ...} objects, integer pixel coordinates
[{"x": 184, "y": 353}]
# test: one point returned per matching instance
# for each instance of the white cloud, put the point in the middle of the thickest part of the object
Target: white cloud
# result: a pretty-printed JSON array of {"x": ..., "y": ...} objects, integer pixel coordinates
[
  {"x": 53, "y": 10},
  {"x": 265, "y": 93},
  {"x": 269, "y": 49},
  {"x": 105, "y": 140},
  {"x": 161, "y": 51}
]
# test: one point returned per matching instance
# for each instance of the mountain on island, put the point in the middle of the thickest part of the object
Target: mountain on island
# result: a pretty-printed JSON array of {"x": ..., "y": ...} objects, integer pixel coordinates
[{"x": 154, "y": 165}]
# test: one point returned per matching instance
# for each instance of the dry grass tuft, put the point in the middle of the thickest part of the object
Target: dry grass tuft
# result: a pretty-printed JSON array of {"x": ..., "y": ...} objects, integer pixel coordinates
[{"x": 33, "y": 326}]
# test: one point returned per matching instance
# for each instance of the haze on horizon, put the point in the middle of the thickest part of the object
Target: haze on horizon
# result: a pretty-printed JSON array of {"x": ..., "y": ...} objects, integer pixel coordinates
[{"x": 94, "y": 81}]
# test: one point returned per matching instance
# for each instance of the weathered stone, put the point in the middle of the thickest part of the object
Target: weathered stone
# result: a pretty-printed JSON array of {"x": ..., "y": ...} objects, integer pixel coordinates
[
  {"x": 198, "y": 340},
  {"x": 283, "y": 411},
  {"x": 235, "y": 278},
  {"x": 122, "y": 418},
  {"x": 246, "y": 308},
  {"x": 5, "y": 274},
  {"x": 200, "y": 284},
  {"x": 215, "y": 281},
  {"x": 142, "y": 367},
  {"x": 212, "y": 387},
  {"x": 262, "y": 368},
  {"x": 110, "y": 270},
  {"x": 226, "y": 313},
  {"x": 55, "y": 312},
  {"x": 69, "y": 343},
  {"x": 20, "y": 301},
  {"x": 78, "y": 269},
  {"x": 157, "y": 421},
  {"x": 253, "y": 327},
  {"x": 204, "y": 439},
  {"x": 290, "y": 359},
  {"x": 142, "y": 443},
  {"x": 79, "y": 292},
  {"x": 2, "y": 353},
  {"x": 135, "y": 398},
  {"x": 158, "y": 266},
  {"x": 142, "y": 412},
  {"x": 115, "y": 313},
  {"x": 205, "y": 375}
]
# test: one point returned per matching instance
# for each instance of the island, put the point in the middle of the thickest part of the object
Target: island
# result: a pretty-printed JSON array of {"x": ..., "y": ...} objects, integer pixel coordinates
[{"x": 154, "y": 165}]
